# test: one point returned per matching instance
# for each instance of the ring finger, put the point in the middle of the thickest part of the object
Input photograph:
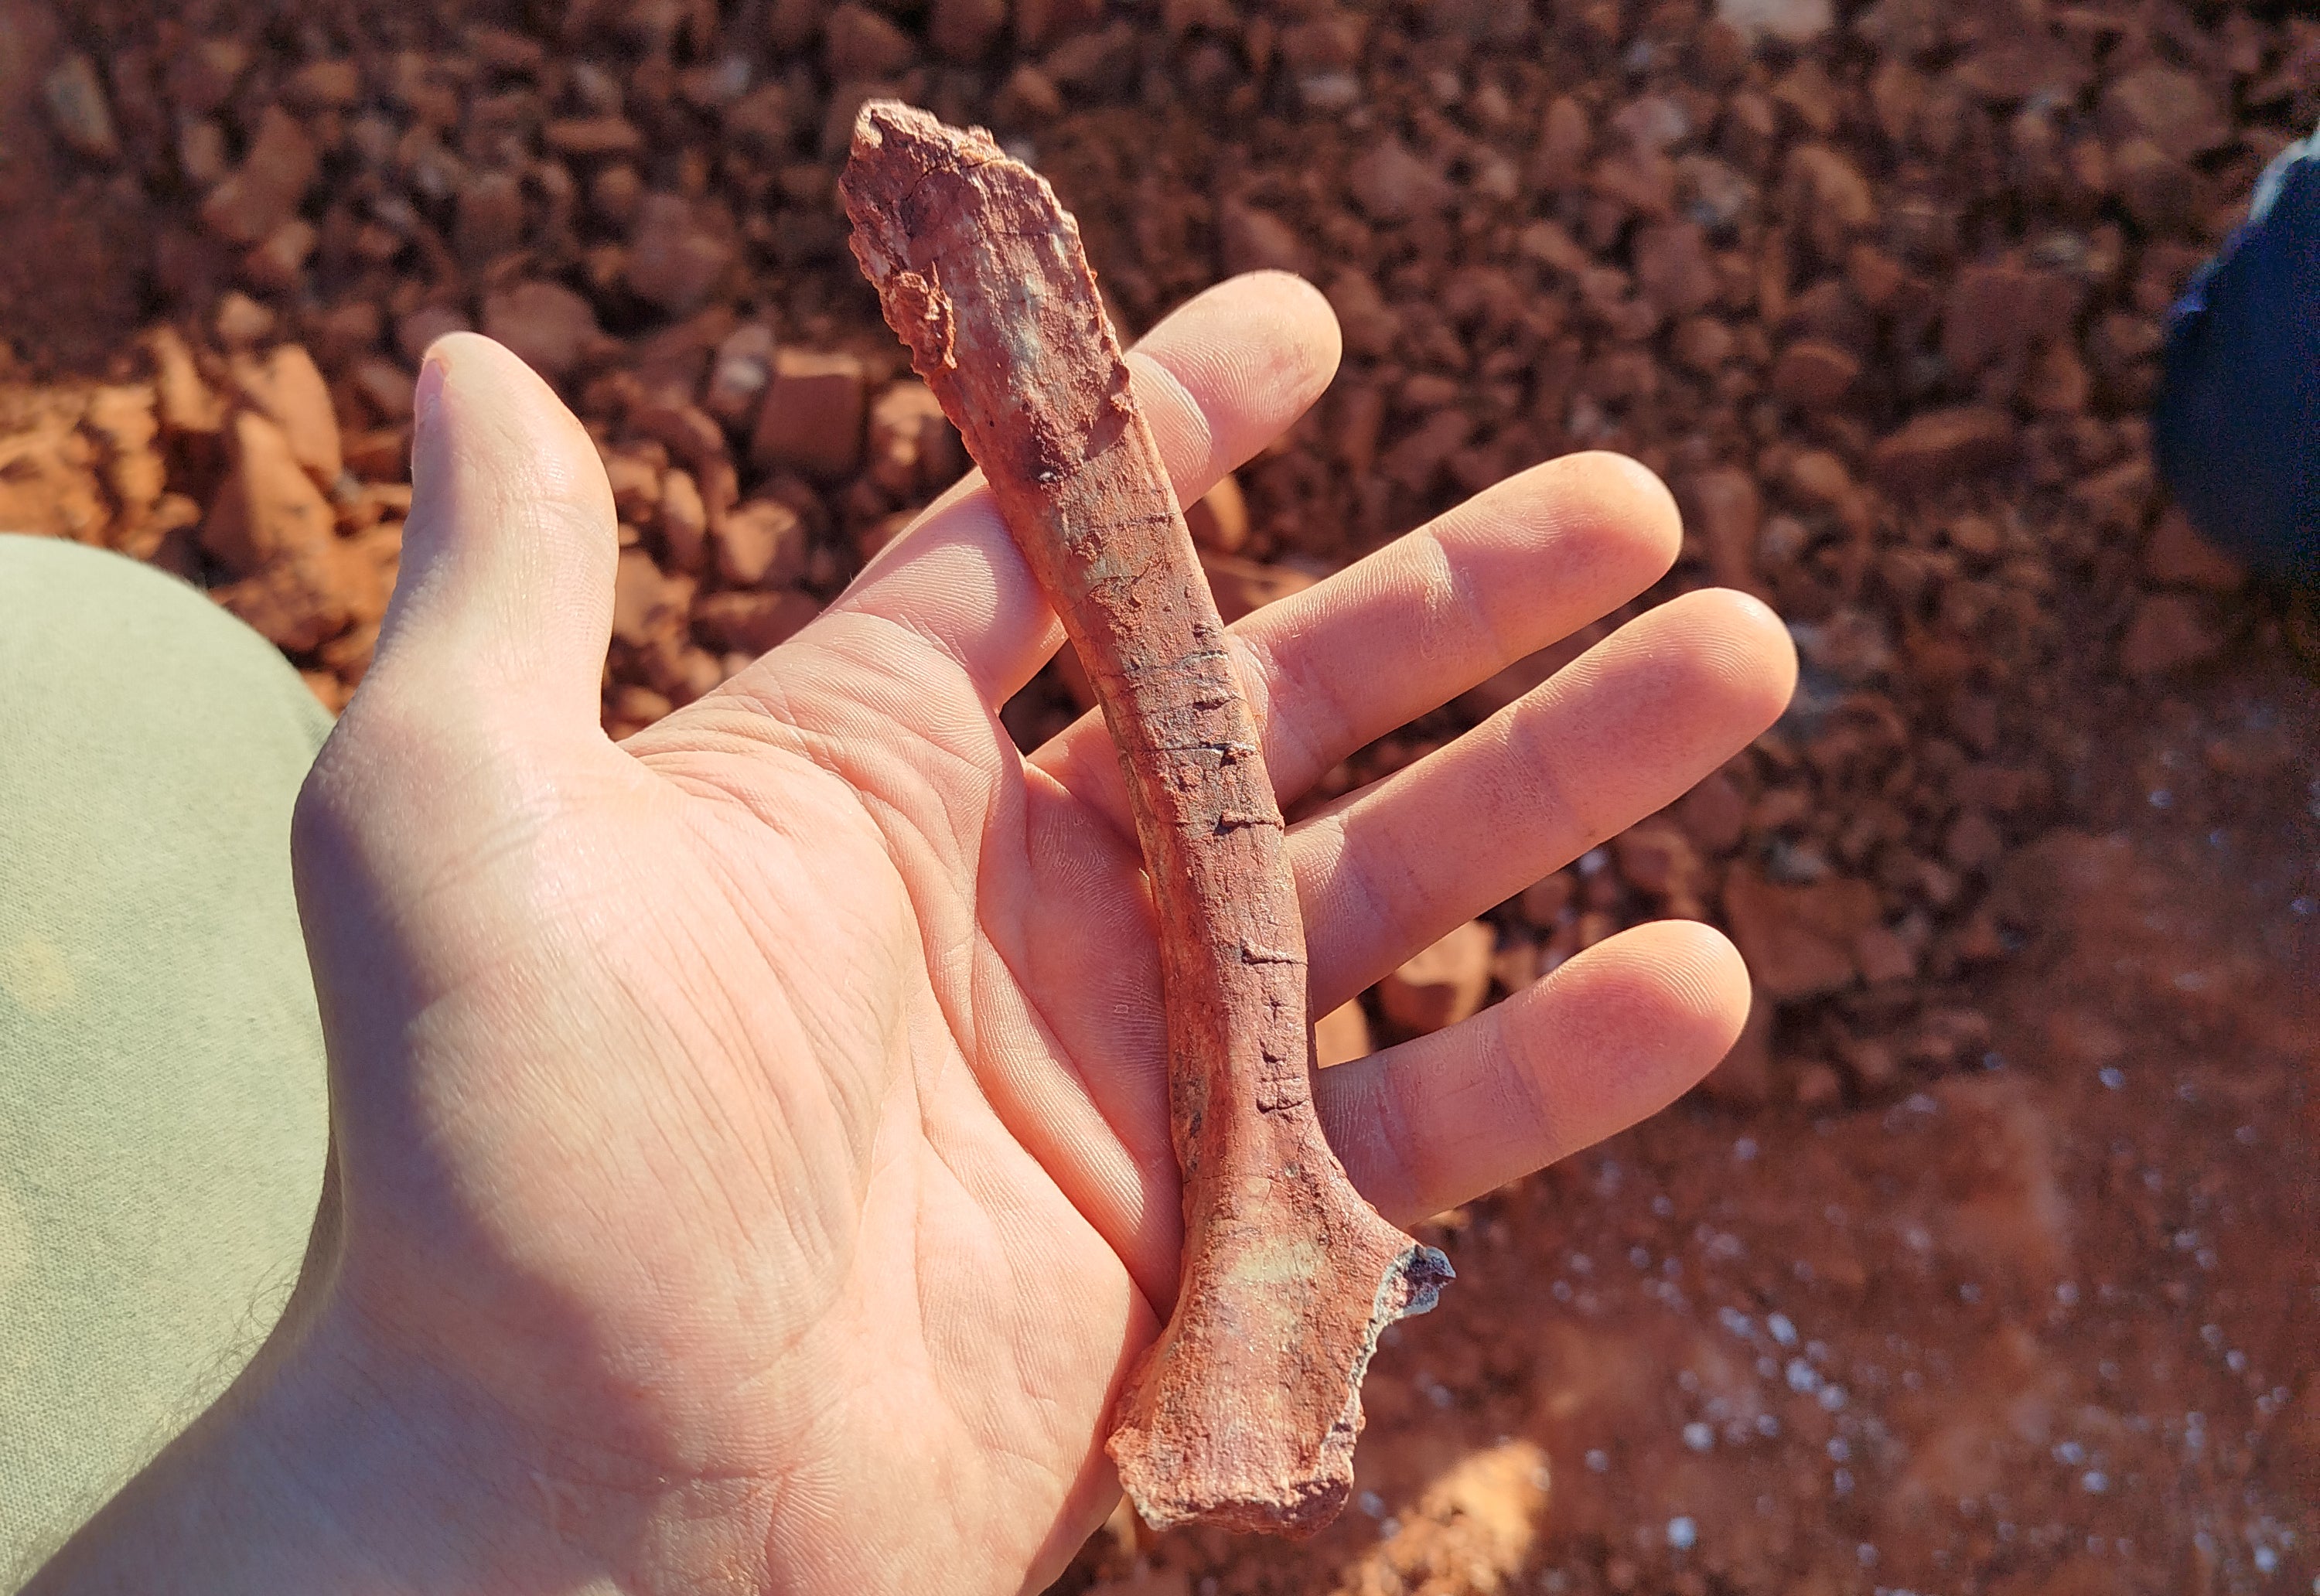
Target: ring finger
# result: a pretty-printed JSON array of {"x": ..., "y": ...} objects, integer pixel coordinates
[{"x": 1621, "y": 732}]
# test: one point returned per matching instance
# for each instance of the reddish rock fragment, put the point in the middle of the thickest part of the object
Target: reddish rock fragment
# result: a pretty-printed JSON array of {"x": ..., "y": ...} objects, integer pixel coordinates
[
  {"x": 683, "y": 520},
  {"x": 185, "y": 403},
  {"x": 1939, "y": 446},
  {"x": 636, "y": 482},
  {"x": 268, "y": 507},
  {"x": 583, "y": 137},
  {"x": 760, "y": 542},
  {"x": 78, "y": 111},
  {"x": 1442, "y": 983},
  {"x": 684, "y": 430},
  {"x": 1028, "y": 96},
  {"x": 1254, "y": 239},
  {"x": 242, "y": 324},
  {"x": 1813, "y": 374},
  {"x": 298, "y": 601},
  {"x": 277, "y": 264},
  {"x": 812, "y": 416},
  {"x": 1998, "y": 308},
  {"x": 379, "y": 454},
  {"x": 1219, "y": 518},
  {"x": 271, "y": 525},
  {"x": 47, "y": 489},
  {"x": 1673, "y": 270},
  {"x": 289, "y": 389},
  {"x": 489, "y": 221},
  {"x": 963, "y": 29},
  {"x": 1793, "y": 22},
  {"x": 1657, "y": 859},
  {"x": 2178, "y": 555},
  {"x": 859, "y": 43},
  {"x": 752, "y": 622},
  {"x": 1832, "y": 196},
  {"x": 1729, "y": 510},
  {"x": 1798, "y": 940},
  {"x": 677, "y": 257},
  {"x": 1341, "y": 1035},
  {"x": 2170, "y": 631},
  {"x": 2160, "y": 191},
  {"x": 266, "y": 188},
  {"x": 1714, "y": 814},
  {"x": 1369, "y": 324},
  {"x": 2021, "y": 66},
  {"x": 1390, "y": 183},
  {"x": 548, "y": 327},
  {"x": 2170, "y": 108},
  {"x": 646, "y": 605},
  {"x": 912, "y": 448}
]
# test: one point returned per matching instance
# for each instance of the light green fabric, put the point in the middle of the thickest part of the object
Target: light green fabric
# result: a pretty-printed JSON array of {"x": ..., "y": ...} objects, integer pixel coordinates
[{"x": 161, "y": 1088}]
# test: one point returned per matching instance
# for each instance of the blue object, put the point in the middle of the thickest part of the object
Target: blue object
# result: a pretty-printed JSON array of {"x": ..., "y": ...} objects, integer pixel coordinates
[{"x": 2237, "y": 428}]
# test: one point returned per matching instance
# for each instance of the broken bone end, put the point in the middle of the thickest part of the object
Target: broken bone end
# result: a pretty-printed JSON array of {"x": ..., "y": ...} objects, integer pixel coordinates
[{"x": 1195, "y": 1446}]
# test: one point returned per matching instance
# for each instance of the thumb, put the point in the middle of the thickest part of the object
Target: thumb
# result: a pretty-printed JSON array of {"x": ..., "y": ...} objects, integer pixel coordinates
[{"x": 503, "y": 603}]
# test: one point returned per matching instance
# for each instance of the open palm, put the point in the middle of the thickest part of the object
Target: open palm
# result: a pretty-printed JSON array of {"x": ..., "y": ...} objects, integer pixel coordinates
[{"x": 758, "y": 1130}]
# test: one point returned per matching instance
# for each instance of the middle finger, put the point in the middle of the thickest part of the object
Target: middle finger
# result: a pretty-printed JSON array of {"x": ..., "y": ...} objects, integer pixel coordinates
[{"x": 1517, "y": 567}]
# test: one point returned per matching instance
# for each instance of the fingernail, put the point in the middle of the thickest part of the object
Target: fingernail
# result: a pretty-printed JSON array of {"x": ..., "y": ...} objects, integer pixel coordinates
[
  {"x": 429, "y": 392},
  {"x": 426, "y": 413}
]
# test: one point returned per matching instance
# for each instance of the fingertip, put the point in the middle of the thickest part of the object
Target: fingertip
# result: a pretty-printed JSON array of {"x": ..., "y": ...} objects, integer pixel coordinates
[
  {"x": 1226, "y": 372},
  {"x": 1765, "y": 623},
  {"x": 1705, "y": 992},
  {"x": 1764, "y": 648},
  {"x": 1726, "y": 654},
  {"x": 478, "y": 363},
  {"x": 1779, "y": 655},
  {"x": 1683, "y": 972},
  {"x": 1605, "y": 512},
  {"x": 507, "y": 414},
  {"x": 1303, "y": 308},
  {"x": 1633, "y": 493}
]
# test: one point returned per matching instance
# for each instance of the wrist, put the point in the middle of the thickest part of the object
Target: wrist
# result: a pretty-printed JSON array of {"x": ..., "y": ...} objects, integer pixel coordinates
[{"x": 333, "y": 1465}]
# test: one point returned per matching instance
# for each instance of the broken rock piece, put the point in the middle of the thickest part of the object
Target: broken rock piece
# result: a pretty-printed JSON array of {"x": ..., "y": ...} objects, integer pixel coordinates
[{"x": 1244, "y": 1412}]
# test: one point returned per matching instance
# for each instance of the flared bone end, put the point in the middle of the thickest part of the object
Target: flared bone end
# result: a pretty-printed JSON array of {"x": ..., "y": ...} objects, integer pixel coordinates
[{"x": 1218, "y": 1427}]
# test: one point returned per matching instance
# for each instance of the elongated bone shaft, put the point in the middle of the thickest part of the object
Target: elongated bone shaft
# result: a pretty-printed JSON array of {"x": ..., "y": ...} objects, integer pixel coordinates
[{"x": 1244, "y": 1412}]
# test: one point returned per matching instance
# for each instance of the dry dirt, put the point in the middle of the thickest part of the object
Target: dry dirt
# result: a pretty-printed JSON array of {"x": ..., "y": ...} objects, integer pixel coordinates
[{"x": 1987, "y": 1263}]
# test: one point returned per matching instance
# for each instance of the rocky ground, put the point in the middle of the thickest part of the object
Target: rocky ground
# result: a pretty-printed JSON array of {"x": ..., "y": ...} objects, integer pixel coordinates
[{"x": 1986, "y": 1264}]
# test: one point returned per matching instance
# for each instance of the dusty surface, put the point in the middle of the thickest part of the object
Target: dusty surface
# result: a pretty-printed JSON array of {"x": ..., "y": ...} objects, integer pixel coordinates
[{"x": 1878, "y": 290}]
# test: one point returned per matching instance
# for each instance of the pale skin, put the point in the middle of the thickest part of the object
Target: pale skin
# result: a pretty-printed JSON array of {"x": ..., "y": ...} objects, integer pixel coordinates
[{"x": 751, "y": 1168}]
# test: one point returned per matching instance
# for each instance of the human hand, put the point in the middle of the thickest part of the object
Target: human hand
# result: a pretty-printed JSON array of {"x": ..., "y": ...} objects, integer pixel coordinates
[{"x": 751, "y": 1158}]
